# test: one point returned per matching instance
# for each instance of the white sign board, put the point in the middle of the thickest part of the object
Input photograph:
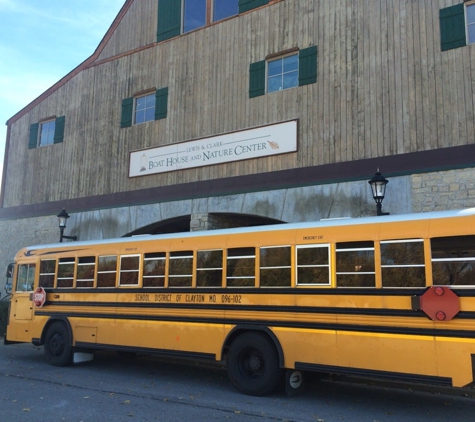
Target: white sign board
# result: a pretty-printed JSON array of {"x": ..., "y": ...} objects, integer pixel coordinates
[{"x": 263, "y": 141}]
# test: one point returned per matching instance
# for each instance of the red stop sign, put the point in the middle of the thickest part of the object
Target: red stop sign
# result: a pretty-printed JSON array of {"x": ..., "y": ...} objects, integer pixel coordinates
[{"x": 39, "y": 297}]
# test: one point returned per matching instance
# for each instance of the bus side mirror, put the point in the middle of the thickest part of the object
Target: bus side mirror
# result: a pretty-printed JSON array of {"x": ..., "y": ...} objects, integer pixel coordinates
[{"x": 10, "y": 270}]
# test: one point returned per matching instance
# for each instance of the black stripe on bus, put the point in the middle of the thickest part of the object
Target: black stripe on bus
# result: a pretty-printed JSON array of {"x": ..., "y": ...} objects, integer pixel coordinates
[
  {"x": 426, "y": 379},
  {"x": 269, "y": 323},
  {"x": 255, "y": 308},
  {"x": 162, "y": 352},
  {"x": 297, "y": 291},
  {"x": 261, "y": 308}
]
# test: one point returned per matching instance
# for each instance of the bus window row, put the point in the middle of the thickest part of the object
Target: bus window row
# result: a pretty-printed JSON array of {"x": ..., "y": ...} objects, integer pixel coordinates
[{"x": 401, "y": 263}]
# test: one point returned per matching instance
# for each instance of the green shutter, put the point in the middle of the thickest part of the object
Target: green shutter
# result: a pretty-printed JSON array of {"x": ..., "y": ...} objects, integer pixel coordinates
[
  {"x": 33, "y": 141},
  {"x": 161, "y": 103},
  {"x": 246, "y": 5},
  {"x": 127, "y": 112},
  {"x": 257, "y": 79},
  {"x": 59, "y": 129},
  {"x": 308, "y": 65},
  {"x": 452, "y": 27},
  {"x": 169, "y": 19}
]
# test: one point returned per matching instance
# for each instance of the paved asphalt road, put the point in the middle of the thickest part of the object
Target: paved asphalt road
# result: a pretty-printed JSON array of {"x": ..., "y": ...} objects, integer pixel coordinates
[{"x": 146, "y": 388}]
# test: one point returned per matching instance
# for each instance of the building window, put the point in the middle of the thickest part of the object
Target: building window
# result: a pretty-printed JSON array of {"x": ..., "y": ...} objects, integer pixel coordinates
[
  {"x": 282, "y": 73},
  {"x": 144, "y": 108},
  {"x": 276, "y": 74},
  {"x": 194, "y": 14},
  {"x": 180, "y": 16},
  {"x": 47, "y": 132},
  {"x": 470, "y": 23},
  {"x": 223, "y": 9}
]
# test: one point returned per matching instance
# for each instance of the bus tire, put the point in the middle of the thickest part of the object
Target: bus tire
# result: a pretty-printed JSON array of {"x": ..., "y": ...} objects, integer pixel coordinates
[
  {"x": 253, "y": 364},
  {"x": 58, "y": 348}
]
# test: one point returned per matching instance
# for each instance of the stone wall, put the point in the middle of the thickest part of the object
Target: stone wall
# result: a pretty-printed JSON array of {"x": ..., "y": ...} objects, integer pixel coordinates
[{"x": 444, "y": 190}]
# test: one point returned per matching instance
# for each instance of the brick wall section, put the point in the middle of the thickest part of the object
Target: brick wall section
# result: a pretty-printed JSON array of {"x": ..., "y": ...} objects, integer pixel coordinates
[{"x": 444, "y": 190}]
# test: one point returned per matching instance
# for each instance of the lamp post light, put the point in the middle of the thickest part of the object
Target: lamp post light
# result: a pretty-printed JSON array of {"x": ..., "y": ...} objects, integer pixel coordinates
[
  {"x": 378, "y": 188},
  {"x": 63, "y": 217}
]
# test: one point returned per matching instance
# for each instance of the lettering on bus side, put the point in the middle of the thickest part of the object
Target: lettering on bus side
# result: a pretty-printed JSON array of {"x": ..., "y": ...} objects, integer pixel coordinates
[
  {"x": 188, "y": 298},
  {"x": 318, "y": 237}
]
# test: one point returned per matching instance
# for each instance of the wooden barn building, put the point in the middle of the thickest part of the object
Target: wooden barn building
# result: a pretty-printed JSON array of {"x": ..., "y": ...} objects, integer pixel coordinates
[{"x": 203, "y": 114}]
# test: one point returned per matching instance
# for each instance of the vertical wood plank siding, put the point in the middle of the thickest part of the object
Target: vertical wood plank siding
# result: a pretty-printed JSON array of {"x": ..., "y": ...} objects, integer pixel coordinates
[{"x": 384, "y": 87}]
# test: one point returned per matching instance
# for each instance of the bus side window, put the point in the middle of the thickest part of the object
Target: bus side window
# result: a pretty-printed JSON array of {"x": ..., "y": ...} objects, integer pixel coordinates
[
  {"x": 355, "y": 264},
  {"x": 180, "y": 272},
  {"x": 209, "y": 268},
  {"x": 66, "y": 272},
  {"x": 241, "y": 267},
  {"x": 313, "y": 265},
  {"x": 26, "y": 278},
  {"x": 402, "y": 263},
  {"x": 85, "y": 271},
  {"x": 154, "y": 269},
  {"x": 107, "y": 271},
  {"x": 47, "y": 272},
  {"x": 453, "y": 260},
  {"x": 275, "y": 266}
]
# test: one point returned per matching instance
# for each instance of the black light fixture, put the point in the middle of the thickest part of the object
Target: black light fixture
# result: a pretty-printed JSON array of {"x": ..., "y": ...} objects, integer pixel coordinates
[
  {"x": 378, "y": 188},
  {"x": 63, "y": 217}
]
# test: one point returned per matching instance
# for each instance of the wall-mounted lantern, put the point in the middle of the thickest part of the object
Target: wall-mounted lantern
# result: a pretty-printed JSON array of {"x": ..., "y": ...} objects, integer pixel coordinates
[
  {"x": 378, "y": 188},
  {"x": 63, "y": 218}
]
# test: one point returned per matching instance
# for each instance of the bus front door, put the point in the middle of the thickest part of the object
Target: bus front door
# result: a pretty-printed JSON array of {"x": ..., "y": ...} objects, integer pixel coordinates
[{"x": 21, "y": 311}]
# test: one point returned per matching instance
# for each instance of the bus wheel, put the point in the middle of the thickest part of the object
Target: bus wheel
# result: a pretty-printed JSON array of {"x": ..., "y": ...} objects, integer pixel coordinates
[
  {"x": 253, "y": 364},
  {"x": 58, "y": 349}
]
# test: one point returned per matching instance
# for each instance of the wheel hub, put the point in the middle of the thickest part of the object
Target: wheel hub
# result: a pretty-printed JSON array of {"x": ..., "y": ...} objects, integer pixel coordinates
[{"x": 254, "y": 363}]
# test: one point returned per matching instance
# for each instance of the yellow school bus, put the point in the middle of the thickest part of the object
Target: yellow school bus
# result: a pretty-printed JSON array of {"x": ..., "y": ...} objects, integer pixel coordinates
[{"x": 390, "y": 296}]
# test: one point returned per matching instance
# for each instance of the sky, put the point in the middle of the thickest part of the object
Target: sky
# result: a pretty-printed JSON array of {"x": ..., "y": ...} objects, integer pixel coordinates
[{"x": 40, "y": 42}]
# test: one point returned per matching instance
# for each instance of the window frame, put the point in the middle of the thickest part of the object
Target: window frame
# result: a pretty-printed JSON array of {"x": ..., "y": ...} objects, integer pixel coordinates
[
  {"x": 327, "y": 265},
  {"x": 100, "y": 271},
  {"x": 83, "y": 261},
  {"x": 402, "y": 266},
  {"x": 468, "y": 24},
  {"x": 47, "y": 276},
  {"x": 123, "y": 271},
  {"x": 61, "y": 278},
  {"x": 27, "y": 286},
  {"x": 275, "y": 267},
  {"x": 180, "y": 280},
  {"x": 435, "y": 243},
  {"x": 240, "y": 255},
  {"x": 51, "y": 124},
  {"x": 137, "y": 98},
  {"x": 160, "y": 258},
  {"x": 359, "y": 246},
  {"x": 283, "y": 73},
  {"x": 200, "y": 269}
]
